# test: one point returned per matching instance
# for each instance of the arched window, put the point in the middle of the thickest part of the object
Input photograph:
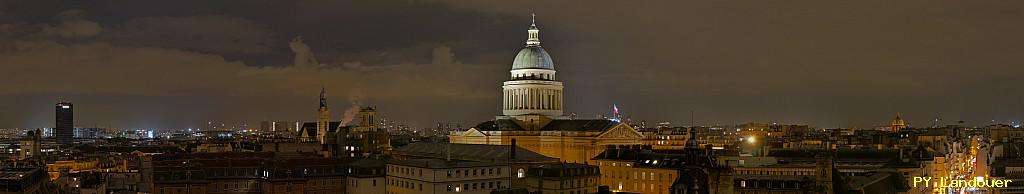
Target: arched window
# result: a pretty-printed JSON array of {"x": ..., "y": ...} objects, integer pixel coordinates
[{"x": 521, "y": 173}]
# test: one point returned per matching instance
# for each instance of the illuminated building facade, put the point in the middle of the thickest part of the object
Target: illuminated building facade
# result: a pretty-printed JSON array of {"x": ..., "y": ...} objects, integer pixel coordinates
[
  {"x": 435, "y": 176},
  {"x": 897, "y": 124},
  {"x": 564, "y": 178},
  {"x": 639, "y": 169},
  {"x": 532, "y": 114}
]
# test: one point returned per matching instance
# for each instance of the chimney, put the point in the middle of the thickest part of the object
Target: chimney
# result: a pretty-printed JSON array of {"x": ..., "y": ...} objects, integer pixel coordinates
[{"x": 512, "y": 153}]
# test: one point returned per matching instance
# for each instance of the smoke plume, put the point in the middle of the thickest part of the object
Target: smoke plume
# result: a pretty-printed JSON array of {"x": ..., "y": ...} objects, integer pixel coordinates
[{"x": 356, "y": 99}]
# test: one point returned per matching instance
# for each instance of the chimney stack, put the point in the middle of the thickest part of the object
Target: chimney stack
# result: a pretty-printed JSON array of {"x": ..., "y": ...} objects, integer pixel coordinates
[{"x": 512, "y": 153}]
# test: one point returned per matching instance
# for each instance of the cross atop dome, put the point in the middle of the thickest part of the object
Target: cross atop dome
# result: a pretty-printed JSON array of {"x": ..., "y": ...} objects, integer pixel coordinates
[
  {"x": 534, "y": 33},
  {"x": 533, "y": 19}
]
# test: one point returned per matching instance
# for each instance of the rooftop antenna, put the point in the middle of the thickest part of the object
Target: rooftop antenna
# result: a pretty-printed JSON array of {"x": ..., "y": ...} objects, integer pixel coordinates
[{"x": 691, "y": 119}]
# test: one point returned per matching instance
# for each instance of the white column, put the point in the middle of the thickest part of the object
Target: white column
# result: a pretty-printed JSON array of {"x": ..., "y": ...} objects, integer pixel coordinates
[
  {"x": 533, "y": 98},
  {"x": 543, "y": 99},
  {"x": 529, "y": 95},
  {"x": 547, "y": 99},
  {"x": 559, "y": 96},
  {"x": 514, "y": 98},
  {"x": 519, "y": 99}
]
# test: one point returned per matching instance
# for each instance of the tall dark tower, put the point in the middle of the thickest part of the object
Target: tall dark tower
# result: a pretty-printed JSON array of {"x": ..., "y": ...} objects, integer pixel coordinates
[
  {"x": 322, "y": 118},
  {"x": 65, "y": 130}
]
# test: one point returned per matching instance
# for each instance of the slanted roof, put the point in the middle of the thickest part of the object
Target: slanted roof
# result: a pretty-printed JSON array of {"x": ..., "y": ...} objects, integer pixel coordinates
[
  {"x": 499, "y": 125},
  {"x": 580, "y": 125},
  {"x": 647, "y": 158},
  {"x": 440, "y": 164},
  {"x": 309, "y": 128},
  {"x": 131, "y": 148},
  {"x": 368, "y": 163},
  {"x": 471, "y": 152}
]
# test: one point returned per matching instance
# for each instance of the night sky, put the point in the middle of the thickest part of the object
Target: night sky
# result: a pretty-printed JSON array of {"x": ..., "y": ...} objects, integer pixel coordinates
[{"x": 177, "y": 64}]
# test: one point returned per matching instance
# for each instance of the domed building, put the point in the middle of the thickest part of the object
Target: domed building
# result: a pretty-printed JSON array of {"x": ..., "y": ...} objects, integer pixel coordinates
[
  {"x": 897, "y": 124},
  {"x": 532, "y": 88},
  {"x": 532, "y": 113}
]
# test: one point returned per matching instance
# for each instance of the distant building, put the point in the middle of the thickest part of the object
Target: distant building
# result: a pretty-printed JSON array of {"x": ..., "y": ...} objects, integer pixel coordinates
[
  {"x": 247, "y": 173},
  {"x": 65, "y": 129},
  {"x": 280, "y": 127},
  {"x": 87, "y": 132},
  {"x": 24, "y": 180},
  {"x": 338, "y": 139},
  {"x": 30, "y": 145},
  {"x": 643, "y": 170},
  {"x": 367, "y": 137},
  {"x": 897, "y": 124}
]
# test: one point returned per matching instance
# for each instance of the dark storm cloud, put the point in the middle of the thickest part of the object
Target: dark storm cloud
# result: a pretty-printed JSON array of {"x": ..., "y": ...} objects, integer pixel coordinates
[
  {"x": 825, "y": 63},
  {"x": 205, "y": 33}
]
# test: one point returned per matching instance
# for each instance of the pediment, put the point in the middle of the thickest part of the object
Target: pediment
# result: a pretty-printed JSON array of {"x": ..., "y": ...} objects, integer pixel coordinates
[
  {"x": 473, "y": 132},
  {"x": 621, "y": 131}
]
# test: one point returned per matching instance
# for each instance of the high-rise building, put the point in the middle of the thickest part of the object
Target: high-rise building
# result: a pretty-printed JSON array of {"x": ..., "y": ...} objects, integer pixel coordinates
[{"x": 65, "y": 129}]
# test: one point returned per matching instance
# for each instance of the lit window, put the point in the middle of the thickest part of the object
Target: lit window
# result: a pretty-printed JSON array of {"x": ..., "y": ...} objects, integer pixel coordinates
[{"x": 521, "y": 173}]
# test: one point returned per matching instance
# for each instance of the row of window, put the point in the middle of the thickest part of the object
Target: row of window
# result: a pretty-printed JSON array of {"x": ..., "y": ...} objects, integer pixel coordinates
[
  {"x": 355, "y": 183},
  {"x": 584, "y": 191},
  {"x": 615, "y": 164},
  {"x": 577, "y": 183},
  {"x": 638, "y": 175},
  {"x": 643, "y": 187},
  {"x": 474, "y": 186},
  {"x": 763, "y": 172},
  {"x": 534, "y": 75},
  {"x": 405, "y": 184},
  {"x": 474, "y": 172},
  {"x": 393, "y": 170}
]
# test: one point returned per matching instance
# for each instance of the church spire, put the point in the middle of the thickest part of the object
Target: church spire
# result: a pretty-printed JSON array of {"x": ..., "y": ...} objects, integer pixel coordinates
[
  {"x": 323, "y": 97},
  {"x": 534, "y": 33}
]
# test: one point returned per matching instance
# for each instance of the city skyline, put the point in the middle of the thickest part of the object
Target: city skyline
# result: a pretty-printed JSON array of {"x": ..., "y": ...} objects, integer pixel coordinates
[
  {"x": 144, "y": 66},
  {"x": 511, "y": 97}
]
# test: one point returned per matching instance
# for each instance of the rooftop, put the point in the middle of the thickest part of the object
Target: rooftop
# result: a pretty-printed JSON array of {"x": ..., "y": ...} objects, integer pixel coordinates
[
  {"x": 471, "y": 152},
  {"x": 440, "y": 164}
]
